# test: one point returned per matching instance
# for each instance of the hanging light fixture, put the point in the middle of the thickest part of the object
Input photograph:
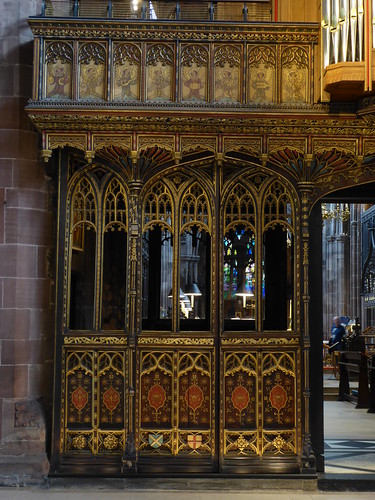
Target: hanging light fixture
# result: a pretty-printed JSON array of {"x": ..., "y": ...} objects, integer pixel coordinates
[
  {"x": 244, "y": 293},
  {"x": 185, "y": 304},
  {"x": 192, "y": 289},
  {"x": 182, "y": 294}
]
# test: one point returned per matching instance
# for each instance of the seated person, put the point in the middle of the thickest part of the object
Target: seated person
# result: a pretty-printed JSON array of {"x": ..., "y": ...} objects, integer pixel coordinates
[{"x": 337, "y": 333}]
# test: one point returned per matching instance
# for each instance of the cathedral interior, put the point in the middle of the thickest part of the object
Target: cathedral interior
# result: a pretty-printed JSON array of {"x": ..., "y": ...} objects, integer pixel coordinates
[{"x": 187, "y": 200}]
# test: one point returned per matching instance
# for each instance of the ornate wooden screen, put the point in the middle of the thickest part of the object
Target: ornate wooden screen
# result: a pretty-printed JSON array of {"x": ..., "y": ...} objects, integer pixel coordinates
[
  {"x": 189, "y": 158},
  {"x": 217, "y": 398}
]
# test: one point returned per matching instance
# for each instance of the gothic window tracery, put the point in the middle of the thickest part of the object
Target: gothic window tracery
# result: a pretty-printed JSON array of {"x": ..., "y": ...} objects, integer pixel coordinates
[
  {"x": 195, "y": 265},
  {"x": 278, "y": 259},
  {"x": 98, "y": 254},
  {"x": 157, "y": 257},
  {"x": 239, "y": 260}
]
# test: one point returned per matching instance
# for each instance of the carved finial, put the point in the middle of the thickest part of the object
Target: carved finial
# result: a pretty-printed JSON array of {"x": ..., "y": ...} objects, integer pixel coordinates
[
  {"x": 89, "y": 155},
  {"x": 219, "y": 158},
  {"x": 46, "y": 154},
  {"x": 134, "y": 155}
]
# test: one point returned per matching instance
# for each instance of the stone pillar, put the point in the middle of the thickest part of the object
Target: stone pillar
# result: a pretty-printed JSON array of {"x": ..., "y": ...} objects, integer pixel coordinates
[
  {"x": 356, "y": 261},
  {"x": 336, "y": 269},
  {"x": 26, "y": 315},
  {"x": 342, "y": 284}
]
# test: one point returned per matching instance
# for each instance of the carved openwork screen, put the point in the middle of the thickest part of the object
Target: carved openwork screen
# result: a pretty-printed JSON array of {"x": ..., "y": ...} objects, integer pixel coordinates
[
  {"x": 114, "y": 258},
  {"x": 195, "y": 268},
  {"x": 157, "y": 258},
  {"x": 83, "y": 223},
  {"x": 98, "y": 254},
  {"x": 278, "y": 263},
  {"x": 239, "y": 260},
  {"x": 176, "y": 265}
]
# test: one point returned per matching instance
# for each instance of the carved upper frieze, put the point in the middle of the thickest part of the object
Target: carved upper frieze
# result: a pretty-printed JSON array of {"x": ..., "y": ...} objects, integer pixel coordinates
[
  {"x": 136, "y": 120},
  {"x": 267, "y": 32}
]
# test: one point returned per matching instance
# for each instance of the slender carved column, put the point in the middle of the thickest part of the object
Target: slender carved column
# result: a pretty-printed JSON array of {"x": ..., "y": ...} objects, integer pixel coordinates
[
  {"x": 308, "y": 457},
  {"x": 134, "y": 260},
  {"x": 134, "y": 299}
]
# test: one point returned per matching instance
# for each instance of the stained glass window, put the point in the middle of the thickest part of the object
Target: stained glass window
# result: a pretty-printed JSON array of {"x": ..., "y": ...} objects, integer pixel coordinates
[{"x": 239, "y": 275}]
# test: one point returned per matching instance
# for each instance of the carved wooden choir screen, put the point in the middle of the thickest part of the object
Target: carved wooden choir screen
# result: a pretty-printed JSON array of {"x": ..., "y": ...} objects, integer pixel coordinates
[{"x": 216, "y": 270}]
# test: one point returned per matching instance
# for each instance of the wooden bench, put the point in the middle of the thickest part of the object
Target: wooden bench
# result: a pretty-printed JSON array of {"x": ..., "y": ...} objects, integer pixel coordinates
[{"x": 354, "y": 362}]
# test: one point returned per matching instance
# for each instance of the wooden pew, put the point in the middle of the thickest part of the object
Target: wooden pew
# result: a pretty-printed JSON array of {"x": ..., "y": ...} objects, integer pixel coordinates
[
  {"x": 354, "y": 362},
  {"x": 372, "y": 386}
]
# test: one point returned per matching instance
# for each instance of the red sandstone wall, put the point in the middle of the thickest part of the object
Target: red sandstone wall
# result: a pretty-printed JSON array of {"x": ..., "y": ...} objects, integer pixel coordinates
[{"x": 26, "y": 316}]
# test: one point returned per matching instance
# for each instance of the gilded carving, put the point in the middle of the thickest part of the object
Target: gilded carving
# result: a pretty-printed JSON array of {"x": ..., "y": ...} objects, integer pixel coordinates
[
  {"x": 194, "y": 54},
  {"x": 241, "y": 443},
  {"x": 177, "y": 341},
  {"x": 134, "y": 122},
  {"x": 78, "y": 141},
  {"x": 157, "y": 441},
  {"x": 196, "y": 144},
  {"x": 165, "y": 142},
  {"x": 262, "y": 341},
  {"x": 275, "y": 144},
  {"x": 158, "y": 208},
  {"x": 305, "y": 261},
  {"x": 103, "y": 141},
  {"x": 139, "y": 31},
  {"x": 279, "y": 443},
  {"x": 133, "y": 251},
  {"x": 368, "y": 147},
  {"x": 121, "y": 341},
  {"x": 126, "y": 52},
  {"x": 194, "y": 443},
  {"x": 348, "y": 146},
  {"x": 251, "y": 146}
]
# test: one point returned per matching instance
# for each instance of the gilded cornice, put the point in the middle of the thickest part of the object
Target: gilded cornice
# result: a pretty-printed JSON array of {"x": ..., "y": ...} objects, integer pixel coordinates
[
  {"x": 208, "y": 122},
  {"x": 145, "y": 30}
]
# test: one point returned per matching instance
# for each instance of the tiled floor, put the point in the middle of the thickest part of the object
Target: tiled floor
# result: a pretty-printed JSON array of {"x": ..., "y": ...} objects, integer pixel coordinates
[
  {"x": 30, "y": 494},
  {"x": 349, "y": 437}
]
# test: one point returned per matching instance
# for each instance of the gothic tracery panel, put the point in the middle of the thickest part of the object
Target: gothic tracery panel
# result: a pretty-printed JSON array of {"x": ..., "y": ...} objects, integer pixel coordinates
[
  {"x": 160, "y": 72},
  {"x": 262, "y": 74},
  {"x": 92, "y": 71},
  {"x": 59, "y": 69},
  {"x": 279, "y": 391},
  {"x": 278, "y": 206},
  {"x": 126, "y": 72},
  {"x": 156, "y": 390},
  {"x": 194, "y": 68},
  {"x": 239, "y": 208},
  {"x": 227, "y": 74},
  {"x": 294, "y": 75},
  {"x": 158, "y": 207},
  {"x": 240, "y": 375},
  {"x": 195, "y": 402},
  {"x": 111, "y": 367},
  {"x": 195, "y": 209}
]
